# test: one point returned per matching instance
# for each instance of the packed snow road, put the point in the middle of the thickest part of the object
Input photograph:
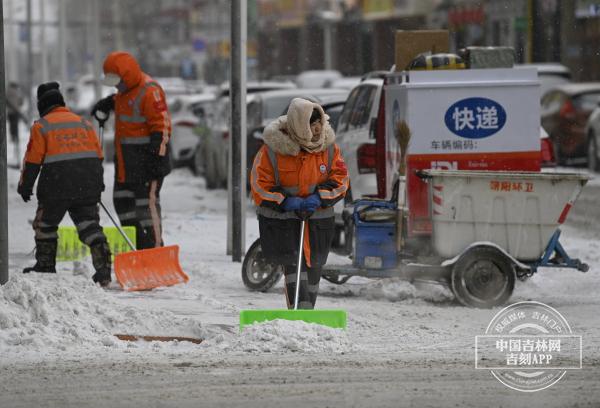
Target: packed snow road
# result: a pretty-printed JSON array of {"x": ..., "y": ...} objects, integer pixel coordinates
[{"x": 405, "y": 345}]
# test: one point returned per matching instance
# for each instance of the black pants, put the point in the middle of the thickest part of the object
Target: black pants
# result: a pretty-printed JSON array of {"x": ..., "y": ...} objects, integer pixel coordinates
[
  {"x": 138, "y": 205},
  {"x": 280, "y": 240},
  {"x": 309, "y": 286},
  {"x": 84, "y": 214}
]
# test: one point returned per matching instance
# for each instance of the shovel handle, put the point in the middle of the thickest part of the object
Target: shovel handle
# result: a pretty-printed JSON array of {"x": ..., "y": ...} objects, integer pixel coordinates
[
  {"x": 304, "y": 215},
  {"x": 101, "y": 117},
  {"x": 299, "y": 267},
  {"x": 118, "y": 226}
]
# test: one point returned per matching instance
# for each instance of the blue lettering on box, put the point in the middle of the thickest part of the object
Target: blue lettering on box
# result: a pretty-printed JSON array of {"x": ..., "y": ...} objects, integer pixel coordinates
[{"x": 475, "y": 118}]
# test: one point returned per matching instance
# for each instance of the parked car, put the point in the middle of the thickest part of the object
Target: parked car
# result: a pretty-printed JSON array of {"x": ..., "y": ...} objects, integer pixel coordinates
[
  {"x": 551, "y": 75},
  {"x": 592, "y": 131},
  {"x": 81, "y": 94},
  {"x": 267, "y": 106},
  {"x": 546, "y": 150},
  {"x": 355, "y": 134},
  {"x": 262, "y": 108},
  {"x": 213, "y": 152},
  {"x": 316, "y": 78},
  {"x": 343, "y": 83},
  {"x": 189, "y": 117},
  {"x": 174, "y": 86},
  {"x": 565, "y": 111}
]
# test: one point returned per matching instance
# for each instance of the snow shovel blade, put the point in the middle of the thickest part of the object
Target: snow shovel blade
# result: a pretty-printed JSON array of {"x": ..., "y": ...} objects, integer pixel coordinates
[
  {"x": 146, "y": 269},
  {"x": 331, "y": 318}
]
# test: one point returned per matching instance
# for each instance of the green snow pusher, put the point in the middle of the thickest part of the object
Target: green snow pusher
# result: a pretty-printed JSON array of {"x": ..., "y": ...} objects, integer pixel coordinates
[
  {"x": 70, "y": 248},
  {"x": 332, "y": 318}
]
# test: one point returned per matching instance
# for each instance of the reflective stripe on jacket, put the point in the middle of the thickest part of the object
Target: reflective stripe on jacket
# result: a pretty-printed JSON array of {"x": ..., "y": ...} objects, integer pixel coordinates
[{"x": 139, "y": 113}]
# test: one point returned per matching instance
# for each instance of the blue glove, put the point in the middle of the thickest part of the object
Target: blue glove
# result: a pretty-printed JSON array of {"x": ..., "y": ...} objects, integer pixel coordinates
[
  {"x": 311, "y": 203},
  {"x": 292, "y": 203}
]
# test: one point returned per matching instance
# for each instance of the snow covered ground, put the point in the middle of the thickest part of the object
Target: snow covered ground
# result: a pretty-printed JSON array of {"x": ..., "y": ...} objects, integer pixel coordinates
[{"x": 406, "y": 345}]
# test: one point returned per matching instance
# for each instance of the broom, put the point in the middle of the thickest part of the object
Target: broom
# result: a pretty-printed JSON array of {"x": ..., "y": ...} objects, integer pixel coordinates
[{"x": 403, "y": 135}]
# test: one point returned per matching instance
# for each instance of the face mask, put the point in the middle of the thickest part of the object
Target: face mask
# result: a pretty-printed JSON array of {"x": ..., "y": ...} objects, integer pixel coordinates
[{"x": 121, "y": 87}]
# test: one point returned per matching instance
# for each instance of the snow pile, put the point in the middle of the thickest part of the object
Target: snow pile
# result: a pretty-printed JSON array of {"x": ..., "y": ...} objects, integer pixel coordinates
[
  {"x": 283, "y": 336},
  {"x": 398, "y": 290},
  {"x": 56, "y": 312}
]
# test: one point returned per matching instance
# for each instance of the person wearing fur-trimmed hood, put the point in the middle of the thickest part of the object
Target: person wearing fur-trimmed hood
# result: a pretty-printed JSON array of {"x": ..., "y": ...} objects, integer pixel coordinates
[{"x": 299, "y": 169}]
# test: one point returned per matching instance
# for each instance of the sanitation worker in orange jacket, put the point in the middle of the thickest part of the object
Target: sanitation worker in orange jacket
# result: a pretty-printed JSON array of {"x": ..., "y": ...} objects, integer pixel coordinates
[
  {"x": 142, "y": 133},
  {"x": 64, "y": 150},
  {"x": 298, "y": 169}
]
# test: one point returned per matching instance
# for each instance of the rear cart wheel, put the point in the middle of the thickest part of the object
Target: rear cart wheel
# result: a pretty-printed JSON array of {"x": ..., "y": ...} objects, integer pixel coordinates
[
  {"x": 336, "y": 279},
  {"x": 483, "y": 277},
  {"x": 258, "y": 274}
]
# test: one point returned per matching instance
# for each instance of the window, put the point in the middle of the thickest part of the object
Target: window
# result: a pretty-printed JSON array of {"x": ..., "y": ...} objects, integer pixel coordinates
[
  {"x": 587, "y": 101},
  {"x": 551, "y": 102},
  {"x": 345, "y": 115},
  {"x": 359, "y": 118}
]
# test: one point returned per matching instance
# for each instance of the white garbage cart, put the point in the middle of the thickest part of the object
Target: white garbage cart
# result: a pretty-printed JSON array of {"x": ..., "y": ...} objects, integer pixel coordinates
[
  {"x": 492, "y": 227},
  {"x": 489, "y": 228}
]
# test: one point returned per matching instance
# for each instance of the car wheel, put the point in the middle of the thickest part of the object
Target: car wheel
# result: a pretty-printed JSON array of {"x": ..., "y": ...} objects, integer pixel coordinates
[
  {"x": 197, "y": 164},
  {"x": 592, "y": 153},
  {"x": 210, "y": 171}
]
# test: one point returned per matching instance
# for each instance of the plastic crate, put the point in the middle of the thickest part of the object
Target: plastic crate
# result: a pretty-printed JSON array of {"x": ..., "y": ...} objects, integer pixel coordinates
[
  {"x": 375, "y": 234},
  {"x": 70, "y": 248}
]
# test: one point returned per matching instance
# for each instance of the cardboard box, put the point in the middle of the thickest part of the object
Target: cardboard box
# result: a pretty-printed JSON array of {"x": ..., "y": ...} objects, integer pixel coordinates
[{"x": 409, "y": 44}]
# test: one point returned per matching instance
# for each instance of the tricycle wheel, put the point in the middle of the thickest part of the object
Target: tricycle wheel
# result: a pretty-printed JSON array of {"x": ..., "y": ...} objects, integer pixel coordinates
[
  {"x": 258, "y": 274},
  {"x": 483, "y": 277},
  {"x": 337, "y": 279}
]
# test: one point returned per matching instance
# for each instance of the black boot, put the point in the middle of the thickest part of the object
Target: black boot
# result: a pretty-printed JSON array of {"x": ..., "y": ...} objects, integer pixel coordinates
[
  {"x": 45, "y": 257},
  {"x": 101, "y": 260}
]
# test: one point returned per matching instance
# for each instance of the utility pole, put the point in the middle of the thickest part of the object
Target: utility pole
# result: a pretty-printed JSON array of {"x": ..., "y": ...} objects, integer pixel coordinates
[
  {"x": 11, "y": 41},
  {"x": 43, "y": 47},
  {"x": 62, "y": 40},
  {"x": 327, "y": 40},
  {"x": 3, "y": 172},
  {"x": 118, "y": 31},
  {"x": 237, "y": 144},
  {"x": 95, "y": 16},
  {"x": 30, "y": 63}
]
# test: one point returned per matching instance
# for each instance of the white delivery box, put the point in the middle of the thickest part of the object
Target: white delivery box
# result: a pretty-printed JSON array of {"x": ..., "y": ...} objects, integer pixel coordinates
[
  {"x": 516, "y": 211},
  {"x": 473, "y": 119}
]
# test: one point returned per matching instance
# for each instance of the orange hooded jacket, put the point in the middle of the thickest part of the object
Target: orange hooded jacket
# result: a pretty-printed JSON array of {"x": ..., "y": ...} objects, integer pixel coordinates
[{"x": 141, "y": 119}]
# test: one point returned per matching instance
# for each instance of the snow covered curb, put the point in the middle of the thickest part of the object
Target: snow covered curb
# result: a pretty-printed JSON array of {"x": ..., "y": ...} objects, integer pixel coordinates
[{"x": 41, "y": 312}]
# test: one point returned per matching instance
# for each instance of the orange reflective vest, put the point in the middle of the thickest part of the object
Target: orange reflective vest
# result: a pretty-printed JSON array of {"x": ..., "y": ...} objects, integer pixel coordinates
[
  {"x": 139, "y": 112},
  {"x": 67, "y": 149},
  {"x": 275, "y": 176}
]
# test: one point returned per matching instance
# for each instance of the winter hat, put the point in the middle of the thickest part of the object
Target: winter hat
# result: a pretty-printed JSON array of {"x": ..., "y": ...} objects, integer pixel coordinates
[
  {"x": 48, "y": 97},
  {"x": 298, "y": 122}
]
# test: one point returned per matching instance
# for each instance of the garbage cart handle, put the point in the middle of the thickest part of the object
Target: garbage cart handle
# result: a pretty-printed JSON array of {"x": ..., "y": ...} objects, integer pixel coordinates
[{"x": 372, "y": 204}]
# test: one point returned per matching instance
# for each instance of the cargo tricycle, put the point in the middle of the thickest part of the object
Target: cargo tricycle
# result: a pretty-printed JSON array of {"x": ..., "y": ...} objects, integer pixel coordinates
[{"x": 462, "y": 199}]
